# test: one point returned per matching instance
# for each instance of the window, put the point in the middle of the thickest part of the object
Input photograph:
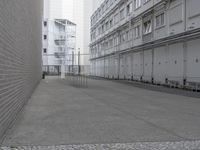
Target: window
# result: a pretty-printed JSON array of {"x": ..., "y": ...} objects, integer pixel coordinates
[
  {"x": 111, "y": 22},
  {"x": 45, "y": 50},
  {"x": 116, "y": 41},
  {"x": 122, "y": 14},
  {"x": 123, "y": 37},
  {"x": 147, "y": 27},
  {"x": 45, "y": 37},
  {"x": 116, "y": 18},
  {"x": 137, "y": 3},
  {"x": 99, "y": 30},
  {"x": 45, "y": 23},
  {"x": 127, "y": 35},
  {"x": 103, "y": 9},
  {"x": 137, "y": 31},
  {"x": 111, "y": 43},
  {"x": 107, "y": 25},
  {"x": 160, "y": 20},
  {"x": 102, "y": 30},
  {"x": 129, "y": 8},
  {"x": 107, "y": 4}
]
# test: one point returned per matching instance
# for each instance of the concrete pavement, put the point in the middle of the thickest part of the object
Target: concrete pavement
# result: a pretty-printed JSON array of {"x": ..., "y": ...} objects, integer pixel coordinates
[{"x": 105, "y": 112}]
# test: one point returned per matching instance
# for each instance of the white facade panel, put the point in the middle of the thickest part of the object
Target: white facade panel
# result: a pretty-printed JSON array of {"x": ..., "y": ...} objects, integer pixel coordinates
[
  {"x": 148, "y": 65},
  {"x": 160, "y": 65},
  {"x": 116, "y": 67},
  {"x": 128, "y": 65},
  {"x": 137, "y": 65},
  {"x": 176, "y": 62},
  {"x": 193, "y": 61},
  {"x": 111, "y": 66},
  {"x": 122, "y": 67},
  {"x": 193, "y": 15},
  {"x": 106, "y": 74},
  {"x": 176, "y": 23}
]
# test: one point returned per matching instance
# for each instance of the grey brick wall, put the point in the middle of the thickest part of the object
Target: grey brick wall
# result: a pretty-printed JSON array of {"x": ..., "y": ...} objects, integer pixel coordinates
[{"x": 20, "y": 55}]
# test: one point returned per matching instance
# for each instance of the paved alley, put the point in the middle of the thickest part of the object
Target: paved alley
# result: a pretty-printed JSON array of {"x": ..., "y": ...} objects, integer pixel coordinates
[{"x": 106, "y": 112}]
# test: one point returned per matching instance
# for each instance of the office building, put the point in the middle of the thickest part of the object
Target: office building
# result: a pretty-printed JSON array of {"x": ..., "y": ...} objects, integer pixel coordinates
[
  {"x": 155, "y": 41},
  {"x": 59, "y": 45}
]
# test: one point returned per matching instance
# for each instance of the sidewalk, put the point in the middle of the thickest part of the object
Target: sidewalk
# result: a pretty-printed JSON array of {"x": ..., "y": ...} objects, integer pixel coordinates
[{"x": 105, "y": 112}]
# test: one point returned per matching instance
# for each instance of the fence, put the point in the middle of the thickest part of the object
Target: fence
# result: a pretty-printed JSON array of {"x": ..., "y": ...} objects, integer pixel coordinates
[{"x": 77, "y": 64}]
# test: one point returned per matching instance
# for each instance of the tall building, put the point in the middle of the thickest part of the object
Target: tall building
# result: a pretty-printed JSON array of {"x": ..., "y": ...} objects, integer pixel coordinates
[
  {"x": 59, "y": 44},
  {"x": 20, "y": 56},
  {"x": 154, "y": 41},
  {"x": 59, "y": 41},
  {"x": 79, "y": 12}
]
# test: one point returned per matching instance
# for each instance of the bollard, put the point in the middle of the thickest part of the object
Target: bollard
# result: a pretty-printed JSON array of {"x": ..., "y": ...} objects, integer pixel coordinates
[{"x": 43, "y": 75}]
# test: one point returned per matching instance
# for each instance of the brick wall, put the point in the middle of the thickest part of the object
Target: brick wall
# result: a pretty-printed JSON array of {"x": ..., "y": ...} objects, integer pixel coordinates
[{"x": 20, "y": 55}]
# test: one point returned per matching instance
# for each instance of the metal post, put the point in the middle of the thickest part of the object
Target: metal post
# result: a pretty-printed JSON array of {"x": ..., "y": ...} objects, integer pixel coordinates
[
  {"x": 73, "y": 62},
  {"x": 79, "y": 67}
]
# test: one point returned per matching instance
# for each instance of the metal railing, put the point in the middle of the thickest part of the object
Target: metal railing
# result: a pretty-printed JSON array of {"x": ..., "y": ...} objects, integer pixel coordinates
[{"x": 77, "y": 80}]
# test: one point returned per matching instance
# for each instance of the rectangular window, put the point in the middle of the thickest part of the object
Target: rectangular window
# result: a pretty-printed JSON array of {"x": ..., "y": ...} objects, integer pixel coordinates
[
  {"x": 122, "y": 14},
  {"x": 116, "y": 18},
  {"x": 129, "y": 8},
  {"x": 102, "y": 29},
  {"x": 99, "y": 30},
  {"x": 107, "y": 25},
  {"x": 138, "y": 3},
  {"x": 45, "y": 37},
  {"x": 123, "y": 37},
  {"x": 45, "y": 23},
  {"x": 137, "y": 31},
  {"x": 160, "y": 20},
  {"x": 127, "y": 35},
  {"x": 111, "y": 22},
  {"x": 45, "y": 50},
  {"x": 147, "y": 27}
]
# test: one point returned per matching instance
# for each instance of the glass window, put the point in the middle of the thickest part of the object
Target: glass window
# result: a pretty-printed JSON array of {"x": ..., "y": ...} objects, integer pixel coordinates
[
  {"x": 137, "y": 3},
  {"x": 122, "y": 14},
  {"x": 129, "y": 8},
  {"x": 147, "y": 27},
  {"x": 160, "y": 20},
  {"x": 137, "y": 31},
  {"x": 45, "y": 50}
]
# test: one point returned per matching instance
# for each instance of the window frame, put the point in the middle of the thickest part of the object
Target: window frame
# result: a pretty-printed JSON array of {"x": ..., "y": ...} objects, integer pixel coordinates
[{"x": 147, "y": 27}]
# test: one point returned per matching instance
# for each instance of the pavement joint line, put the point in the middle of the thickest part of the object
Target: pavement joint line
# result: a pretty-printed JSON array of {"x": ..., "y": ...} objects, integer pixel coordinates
[{"x": 181, "y": 145}]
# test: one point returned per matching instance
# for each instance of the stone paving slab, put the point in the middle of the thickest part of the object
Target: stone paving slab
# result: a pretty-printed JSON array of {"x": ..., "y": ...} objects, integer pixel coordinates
[{"x": 183, "y": 145}]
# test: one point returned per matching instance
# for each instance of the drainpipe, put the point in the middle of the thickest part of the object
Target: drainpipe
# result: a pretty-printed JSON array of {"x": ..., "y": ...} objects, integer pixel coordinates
[{"x": 185, "y": 48}]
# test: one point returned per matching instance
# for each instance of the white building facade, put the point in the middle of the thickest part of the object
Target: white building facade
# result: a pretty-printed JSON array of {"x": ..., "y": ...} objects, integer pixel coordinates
[
  {"x": 79, "y": 12},
  {"x": 154, "y": 41},
  {"x": 59, "y": 45},
  {"x": 59, "y": 35}
]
